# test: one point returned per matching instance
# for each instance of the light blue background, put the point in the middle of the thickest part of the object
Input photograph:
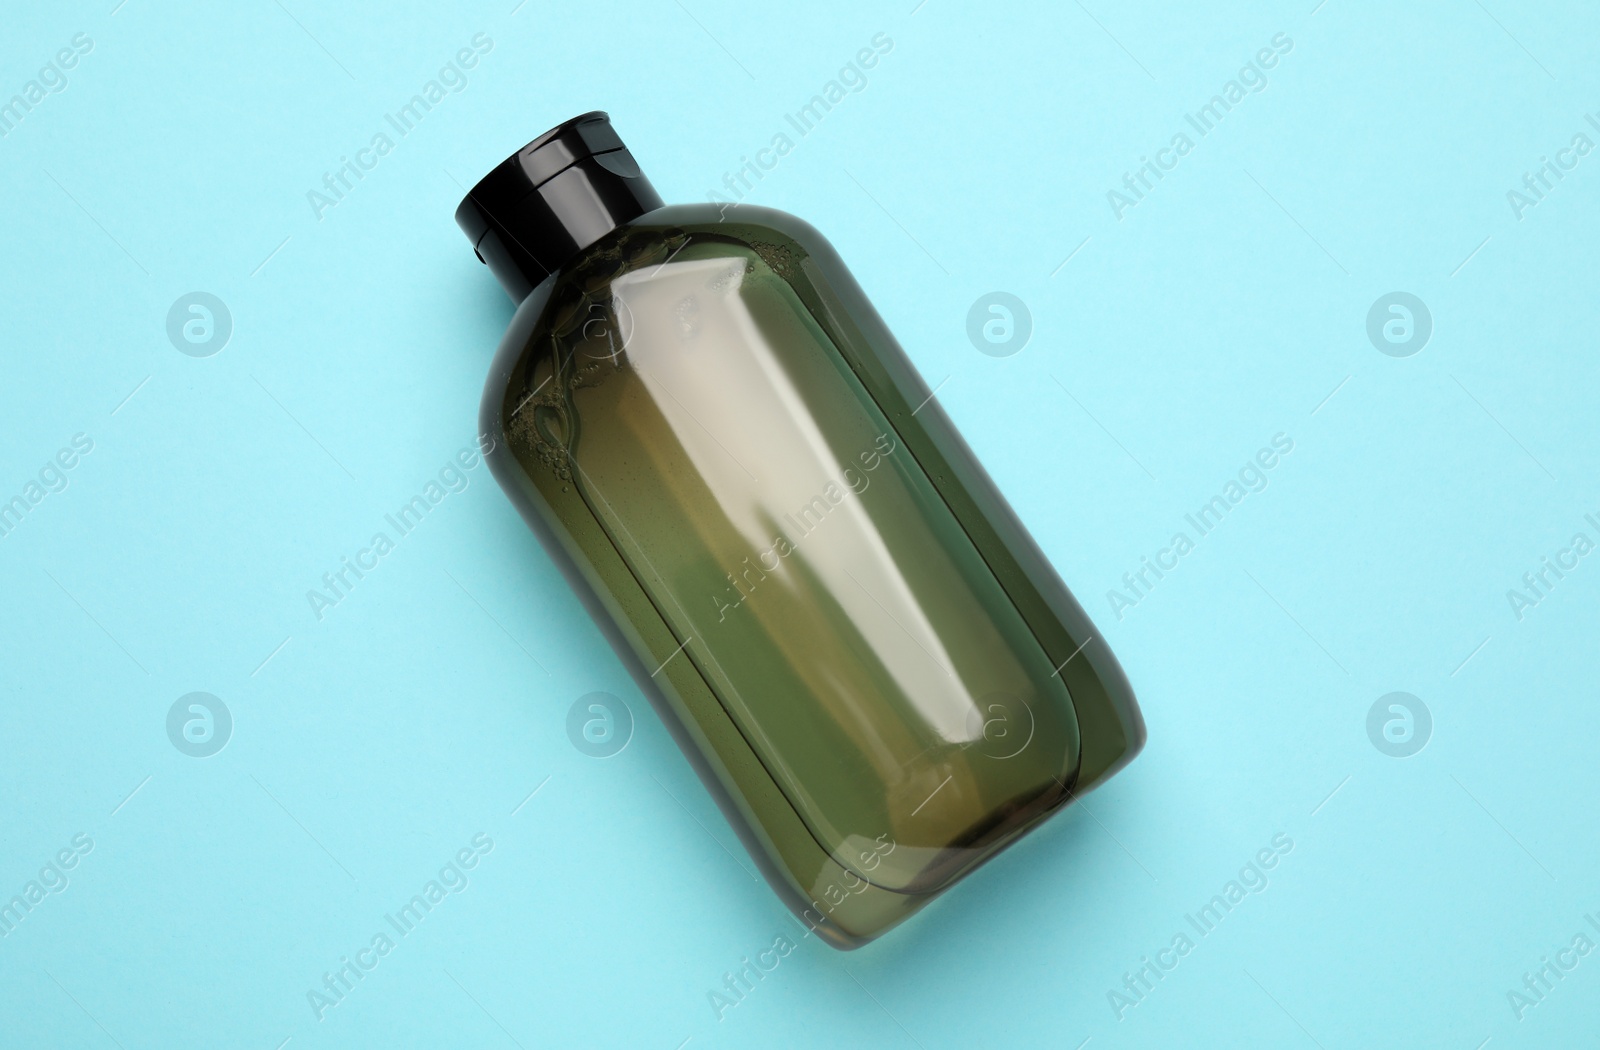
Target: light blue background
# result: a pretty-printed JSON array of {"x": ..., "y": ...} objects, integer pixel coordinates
[{"x": 424, "y": 708}]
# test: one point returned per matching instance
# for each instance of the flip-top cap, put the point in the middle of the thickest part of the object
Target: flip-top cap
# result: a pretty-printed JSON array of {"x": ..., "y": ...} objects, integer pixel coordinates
[{"x": 553, "y": 198}]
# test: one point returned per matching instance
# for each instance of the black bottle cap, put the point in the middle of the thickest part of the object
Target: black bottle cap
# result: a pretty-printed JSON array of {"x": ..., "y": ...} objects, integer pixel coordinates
[{"x": 553, "y": 198}]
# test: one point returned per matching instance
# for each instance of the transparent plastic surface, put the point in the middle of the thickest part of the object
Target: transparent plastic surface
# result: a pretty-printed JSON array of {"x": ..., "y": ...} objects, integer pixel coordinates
[{"x": 803, "y": 559}]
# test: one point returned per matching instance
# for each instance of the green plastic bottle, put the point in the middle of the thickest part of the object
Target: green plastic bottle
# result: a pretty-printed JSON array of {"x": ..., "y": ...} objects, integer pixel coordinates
[{"x": 849, "y": 633}]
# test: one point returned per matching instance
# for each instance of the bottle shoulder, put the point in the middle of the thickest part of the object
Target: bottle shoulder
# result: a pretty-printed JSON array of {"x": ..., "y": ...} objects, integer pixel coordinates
[
  {"x": 750, "y": 224},
  {"x": 676, "y": 232},
  {"x": 706, "y": 217}
]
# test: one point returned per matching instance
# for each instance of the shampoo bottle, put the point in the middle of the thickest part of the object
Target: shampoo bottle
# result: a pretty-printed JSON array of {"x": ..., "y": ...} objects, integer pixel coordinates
[{"x": 867, "y": 659}]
